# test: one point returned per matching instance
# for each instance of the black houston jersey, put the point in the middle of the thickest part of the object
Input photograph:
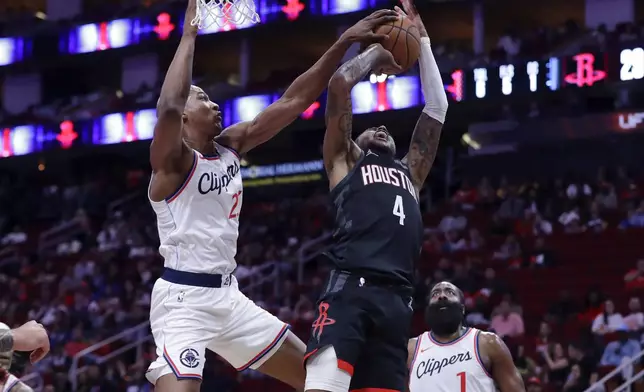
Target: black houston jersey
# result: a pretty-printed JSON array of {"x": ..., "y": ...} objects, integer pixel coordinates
[{"x": 378, "y": 224}]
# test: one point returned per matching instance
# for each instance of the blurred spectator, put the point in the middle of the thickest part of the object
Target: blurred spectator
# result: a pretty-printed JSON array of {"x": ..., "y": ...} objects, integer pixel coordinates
[
  {"x": 453, "y": 221},
  {"x": 540, "y": 255},
  {"x": 608, "y": 321},
  {"x": 454, "y": 242},
  {"x": 15, "y": 237},
  {"x": 563, "y": 308},
  {"x": 635, "y": 218},
  {"x": 606, "y": 198},
  {"x": 557, "y": 364},
  {"x": 620, "y": 351},
  {"x": 475, "y": 241},
  {"x": 510, "y": 249},
  {"x": 524, "y": 365},
  {"x": 534, "y": 385},
  {"x": 587, "y": 363},
  {"x": 543, "y": 337},
  {"x": 575, "y": 381},
  {"x": 635, "y": 318},
  {"x": 507, "y": 323},
  {"x": 485, "y": 191},
  {"x": 595, "y": 223},
  {"x": 634, "y": 278},
  {"x": 570, "y": 220},
  {"x": 512, "y": 207}
]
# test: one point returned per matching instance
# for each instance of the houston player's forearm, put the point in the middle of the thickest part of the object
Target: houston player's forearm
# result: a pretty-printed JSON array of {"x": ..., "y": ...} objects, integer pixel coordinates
[
  {"x": 426, "y": 136},
  {"x": 176, "y": 86},
  {"x": 6, "y": 340},
  {"x": 308, "y": 86},
  {"x": 339, "y": 113}
]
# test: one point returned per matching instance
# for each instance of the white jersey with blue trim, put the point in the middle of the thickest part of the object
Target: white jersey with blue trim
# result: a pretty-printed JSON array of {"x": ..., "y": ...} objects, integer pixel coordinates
[
  {"x": 449, "y": 367},
  {"x": 199, "y": 224},
  {"x": 13, "y": 384}
]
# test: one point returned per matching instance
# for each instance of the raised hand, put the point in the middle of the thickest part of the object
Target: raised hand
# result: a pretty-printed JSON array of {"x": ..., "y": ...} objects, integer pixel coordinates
[
  {"x": 363, "y": 31},
  {"x": 385, "y": 62},
  {"x": 190, "y": 25},
  {"x": 411, "y": 13}
]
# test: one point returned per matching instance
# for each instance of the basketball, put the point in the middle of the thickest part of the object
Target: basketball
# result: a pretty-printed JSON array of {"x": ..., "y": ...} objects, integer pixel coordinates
[{"x": 403, "y": 42}]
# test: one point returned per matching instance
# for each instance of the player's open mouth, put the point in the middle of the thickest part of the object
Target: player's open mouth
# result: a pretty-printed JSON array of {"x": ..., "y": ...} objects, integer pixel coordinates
[{"x": 382, "y": 135}]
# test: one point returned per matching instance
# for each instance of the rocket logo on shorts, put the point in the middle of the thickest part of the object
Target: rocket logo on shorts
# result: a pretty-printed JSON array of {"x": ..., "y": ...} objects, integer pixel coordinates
[{"x": 189, "y": 358}]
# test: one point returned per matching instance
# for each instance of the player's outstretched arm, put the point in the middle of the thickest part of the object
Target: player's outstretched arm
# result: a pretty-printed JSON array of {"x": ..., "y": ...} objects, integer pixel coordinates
[
  {"x": 339, "y": 150},
  {"x": 505, "y": 374},
  {"x": 167, "y": 145},
  {"x": 426, "y": 136},
  {"x": 305, "y": 89}
]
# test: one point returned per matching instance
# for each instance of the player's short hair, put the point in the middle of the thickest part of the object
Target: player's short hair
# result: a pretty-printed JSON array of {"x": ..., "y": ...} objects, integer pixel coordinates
[{"x": 459, "y": 292}]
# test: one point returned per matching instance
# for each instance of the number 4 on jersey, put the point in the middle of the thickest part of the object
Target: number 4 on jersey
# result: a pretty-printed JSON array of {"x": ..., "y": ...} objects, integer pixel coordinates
[{"x": 399, "y": 211}]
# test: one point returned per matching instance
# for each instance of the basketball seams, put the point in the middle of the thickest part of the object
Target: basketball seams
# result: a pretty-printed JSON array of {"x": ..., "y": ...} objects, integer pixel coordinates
[{"x": 402, "y": 55}]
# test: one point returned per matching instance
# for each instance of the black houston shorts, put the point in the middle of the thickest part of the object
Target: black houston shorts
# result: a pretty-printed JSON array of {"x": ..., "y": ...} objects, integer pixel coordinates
[{"x": 368, "y": 324}]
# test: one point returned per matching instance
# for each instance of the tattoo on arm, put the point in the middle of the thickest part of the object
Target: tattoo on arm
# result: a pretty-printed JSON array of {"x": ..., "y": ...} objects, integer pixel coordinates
[
  {"x": 339, "y": 112},
  {"x": 423, "y": 148},
  {"x": 6, "y": 340}
]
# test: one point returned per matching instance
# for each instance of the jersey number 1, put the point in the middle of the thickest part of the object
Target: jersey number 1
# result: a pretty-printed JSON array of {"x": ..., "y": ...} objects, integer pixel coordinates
[
  {"x": 461, "y": 375},
  {"x": 399, "y": 211}
]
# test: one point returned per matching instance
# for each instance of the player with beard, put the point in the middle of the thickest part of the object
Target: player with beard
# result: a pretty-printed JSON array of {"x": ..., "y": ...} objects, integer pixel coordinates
[
  {"x": 451, "y": 357},
  {"x": 359, "y": 339}
]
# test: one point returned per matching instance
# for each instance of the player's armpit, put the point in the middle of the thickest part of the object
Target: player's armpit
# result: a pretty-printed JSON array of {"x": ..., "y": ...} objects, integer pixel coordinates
[
  {"x": 505, "y": 374},
  {"x": 423, "y": 148}
]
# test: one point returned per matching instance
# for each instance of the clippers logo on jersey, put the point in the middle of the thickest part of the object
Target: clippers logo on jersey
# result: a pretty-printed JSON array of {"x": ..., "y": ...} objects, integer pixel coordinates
[
  {"x": 189, "y": 358},
  {"x": 434, "y": 366},
  {"x": 376, "y": 174},
  {"x": 210, "y": 182}
]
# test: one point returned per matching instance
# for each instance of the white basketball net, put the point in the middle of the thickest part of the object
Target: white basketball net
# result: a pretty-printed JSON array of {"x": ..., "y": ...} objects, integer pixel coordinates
[{"x": 224, "y": 12}]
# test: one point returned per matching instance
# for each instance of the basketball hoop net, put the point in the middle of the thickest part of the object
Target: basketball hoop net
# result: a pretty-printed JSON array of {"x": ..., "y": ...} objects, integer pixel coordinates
[{"x": 224, "y": 12}]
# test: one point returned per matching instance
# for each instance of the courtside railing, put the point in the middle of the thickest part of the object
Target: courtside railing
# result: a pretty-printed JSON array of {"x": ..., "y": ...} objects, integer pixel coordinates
[
  {"x": 625, "y": 387},
  {"x": 136, "y": 336},
  {"x": 309, "y": 251}
]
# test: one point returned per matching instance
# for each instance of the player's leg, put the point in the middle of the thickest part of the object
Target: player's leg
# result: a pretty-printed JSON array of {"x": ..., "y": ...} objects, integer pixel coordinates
[
  {"x": 181, "y": 336},
  {"x": 382, "y": 365},
  {"x": 338, "y": 335},
  {"x": 253, "y": 338}
]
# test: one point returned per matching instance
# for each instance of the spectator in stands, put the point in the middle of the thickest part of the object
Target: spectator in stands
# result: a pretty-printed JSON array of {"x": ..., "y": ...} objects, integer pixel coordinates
[
  {"x": 594, "y": 305},
  {"x": 571, "y": 221},
  {"x": 575, "y": 381},
  {"x": 15, "y": 237},
  {"x": 507, "y": 323},
  {"x": 557, "y": 363},
  {"x": 454, "y": 242},
  {"x": 563, "y": 308},
  {"x": 524, "y": 365},
  {"x": 540, "y": 255},
  {"x": 541, "y": 226},
  {"x": 606, "y": 198},
  {"x": 543, "y": 337},
  {"x": 466, "y": 196},
  {"x": 477, "y": 311},
  {"x": 577, "y": 356},
  {"x": 634, "y": 278},
  {"x": 453, "y": 221},
  {"x": 512, "y": 207},
  {"x": 620, "y": 351},
  {"x": 595, "y": 222},
  {"x": 534, "y": 385},
  {"x": 608, "y": 321},
  {"x": 635, "y": 218},
  {"x": 510, "y": 249},
  {"x": 486, "y": 192},
  {"x": 476, "y": 240},
  {"x": 635, "y": 318}
]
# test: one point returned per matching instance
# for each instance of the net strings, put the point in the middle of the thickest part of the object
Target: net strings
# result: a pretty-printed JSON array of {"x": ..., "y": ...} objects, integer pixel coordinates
[{"x": 222, "y": 12}]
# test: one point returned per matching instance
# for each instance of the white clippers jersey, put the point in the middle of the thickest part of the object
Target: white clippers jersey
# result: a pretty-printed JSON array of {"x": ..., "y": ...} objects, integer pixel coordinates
[
  {"x": 13, "y": 384},
  {"x": 449, "y": 367},
  {"x": 199, "y": 224}
]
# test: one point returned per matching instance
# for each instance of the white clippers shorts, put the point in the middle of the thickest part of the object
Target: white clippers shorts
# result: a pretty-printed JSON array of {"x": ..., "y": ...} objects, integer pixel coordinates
[{"x": 187, "y": 320}]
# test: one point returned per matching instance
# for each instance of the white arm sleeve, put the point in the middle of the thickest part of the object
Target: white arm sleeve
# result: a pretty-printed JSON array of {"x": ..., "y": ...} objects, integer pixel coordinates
[{"x": 431, "y": 83}]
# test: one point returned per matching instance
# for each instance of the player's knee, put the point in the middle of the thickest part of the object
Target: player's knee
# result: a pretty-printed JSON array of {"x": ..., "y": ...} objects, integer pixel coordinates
[
  {"x": 286, "y": 363},
  {"x": 170, "y": 383},
  {"x": 323, "y": 373}
]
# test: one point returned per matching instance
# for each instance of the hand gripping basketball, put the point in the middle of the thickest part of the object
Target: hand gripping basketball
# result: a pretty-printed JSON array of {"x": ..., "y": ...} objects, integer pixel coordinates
[
  {"x": 363, "y": 31},
  {"x": 385, "y": 62}
]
